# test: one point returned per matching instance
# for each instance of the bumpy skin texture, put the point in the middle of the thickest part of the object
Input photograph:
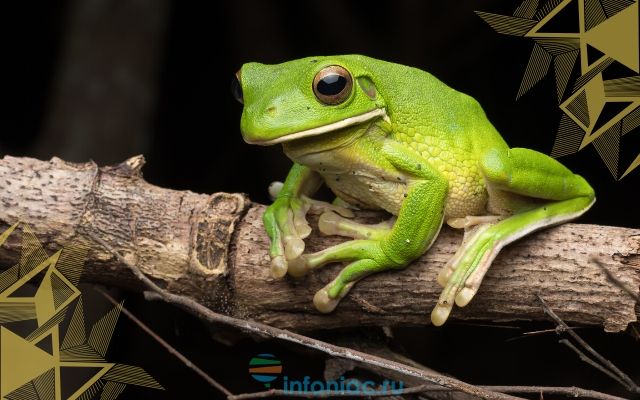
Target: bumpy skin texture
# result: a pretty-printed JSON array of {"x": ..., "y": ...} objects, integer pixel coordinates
[{"x": 399, "y": 140}]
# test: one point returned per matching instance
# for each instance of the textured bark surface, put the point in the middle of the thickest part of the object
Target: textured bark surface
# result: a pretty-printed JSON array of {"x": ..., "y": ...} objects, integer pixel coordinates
[{"x": 213, "y": 248}]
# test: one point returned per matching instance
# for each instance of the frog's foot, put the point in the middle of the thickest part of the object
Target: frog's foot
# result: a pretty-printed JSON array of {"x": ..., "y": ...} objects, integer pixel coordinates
[
  {"x": 482, "y": 245},
  {"x": 331, "y": 223},
  {"x": 346, "y": 251},
  {"x": 338, "y": 206},
  {"x": 473, "y": 220},
  {"x": 462, "y": 275},
  {"x": 473, "y": 226},
  {"x": 341, "y": 203},
  {"x": 287, "y": 226},
  {"x": 366, "y": 257},
  {"x": 326, "y": 299}
]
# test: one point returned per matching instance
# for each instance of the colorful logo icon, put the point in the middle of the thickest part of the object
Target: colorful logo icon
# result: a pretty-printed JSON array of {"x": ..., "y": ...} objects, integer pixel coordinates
[{"x": 265, "y": 368}]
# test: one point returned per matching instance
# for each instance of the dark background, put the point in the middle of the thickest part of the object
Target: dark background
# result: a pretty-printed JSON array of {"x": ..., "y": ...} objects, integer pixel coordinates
[{"x": 105, "y": 80}]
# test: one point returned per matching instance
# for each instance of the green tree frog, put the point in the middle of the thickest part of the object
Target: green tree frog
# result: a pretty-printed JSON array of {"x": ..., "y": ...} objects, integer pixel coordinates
[{"x": 387, "y": 136}]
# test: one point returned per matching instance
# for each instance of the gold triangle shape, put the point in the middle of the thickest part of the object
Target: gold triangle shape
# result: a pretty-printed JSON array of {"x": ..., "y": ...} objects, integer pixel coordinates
[
  {"x": 633, "y": 166},
  {"x": 617, "y": 37},
  {"x": 103, "y": 369},
  {"x": 20, "y": 361},
  {"x": 49, "y": 338},
  {"x": 535, "y": 31},
  {"x": 591, "y": 136}
]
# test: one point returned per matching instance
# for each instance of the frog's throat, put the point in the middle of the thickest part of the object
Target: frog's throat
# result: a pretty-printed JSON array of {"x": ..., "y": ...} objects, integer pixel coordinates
[{"x": 358, "y": 119}]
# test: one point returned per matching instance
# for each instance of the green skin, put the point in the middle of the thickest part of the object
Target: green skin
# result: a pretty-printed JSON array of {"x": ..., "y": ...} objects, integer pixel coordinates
[{"x": 401, "y": 141}]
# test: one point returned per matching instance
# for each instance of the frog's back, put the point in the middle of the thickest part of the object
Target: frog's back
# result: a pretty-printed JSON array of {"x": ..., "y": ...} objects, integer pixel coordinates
[{"x": 448, "y": 128}]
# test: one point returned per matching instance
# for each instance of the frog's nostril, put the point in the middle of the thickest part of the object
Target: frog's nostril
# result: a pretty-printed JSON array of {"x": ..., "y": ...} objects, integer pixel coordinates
[{"x": 236, "y": 88}]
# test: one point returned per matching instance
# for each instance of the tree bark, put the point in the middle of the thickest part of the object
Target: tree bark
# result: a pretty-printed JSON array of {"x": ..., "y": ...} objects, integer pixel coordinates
[{"x": 213, "y": 249}]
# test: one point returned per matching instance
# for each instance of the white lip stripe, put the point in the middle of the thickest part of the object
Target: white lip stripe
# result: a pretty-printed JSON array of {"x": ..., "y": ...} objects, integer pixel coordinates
[{"x": 378, "y": 112}]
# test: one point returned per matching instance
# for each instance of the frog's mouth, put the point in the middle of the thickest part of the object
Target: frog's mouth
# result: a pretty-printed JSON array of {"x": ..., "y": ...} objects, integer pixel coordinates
[{"x": 358, "y": 119}]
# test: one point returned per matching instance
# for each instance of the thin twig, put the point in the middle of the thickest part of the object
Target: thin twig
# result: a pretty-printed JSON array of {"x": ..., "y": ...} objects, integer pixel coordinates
[
  {"x": 283, "y": 334},
  {"x": 335, "y": 393},
  {"x": 624, "y": 379},
  {"x": 526, "y": 335},
  {"x": 614, "y": 279},
  {"x": 585, "y": 358},
  {"x": 548, "y": 390},
  {"x": 167, "y": 346},
  {"x": 571, "y": 391}
]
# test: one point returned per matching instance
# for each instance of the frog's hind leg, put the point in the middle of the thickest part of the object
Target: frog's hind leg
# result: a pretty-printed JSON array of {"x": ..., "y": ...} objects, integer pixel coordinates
[
  {"x": 555, "y": 195},
  {"x": 471, "y": 233},
  {"x": 472, "y": 221},
  {"x": 331, "y": 223}
]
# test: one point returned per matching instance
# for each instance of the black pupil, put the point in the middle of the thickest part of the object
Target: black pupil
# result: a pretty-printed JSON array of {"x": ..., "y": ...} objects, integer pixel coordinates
[
  {"x": 236, "y": 89},
  {"x": 331, "y": 84}
]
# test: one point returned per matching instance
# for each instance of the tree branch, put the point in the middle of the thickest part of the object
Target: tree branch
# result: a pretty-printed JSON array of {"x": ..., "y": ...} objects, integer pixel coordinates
[
  {"x": 541, "y": 390},
  {"x": 213, "y": 250},
  {"x": 272, "y": 332}
]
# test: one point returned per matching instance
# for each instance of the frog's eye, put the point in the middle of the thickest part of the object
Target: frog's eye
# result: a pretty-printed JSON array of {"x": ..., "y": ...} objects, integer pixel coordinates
[{"x": 332, "y": 85}]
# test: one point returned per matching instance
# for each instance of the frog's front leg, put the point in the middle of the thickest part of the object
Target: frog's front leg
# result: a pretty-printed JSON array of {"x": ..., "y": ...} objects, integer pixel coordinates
[
  {"x": 285, "y": 219},
  {"x": 415, "y": 229}
]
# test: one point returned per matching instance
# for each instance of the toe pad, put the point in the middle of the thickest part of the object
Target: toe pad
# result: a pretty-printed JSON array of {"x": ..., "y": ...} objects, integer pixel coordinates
[
  {"x": 278, "y": 267},
  {"x": 323, "y": 302}
]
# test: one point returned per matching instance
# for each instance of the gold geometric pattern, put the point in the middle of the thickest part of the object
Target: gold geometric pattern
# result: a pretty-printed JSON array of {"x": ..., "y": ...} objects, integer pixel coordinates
[
  {"x": 112, "y": 390},
  {"x": 32, "y": 365},
  {"x": 597, "y": 111}
]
